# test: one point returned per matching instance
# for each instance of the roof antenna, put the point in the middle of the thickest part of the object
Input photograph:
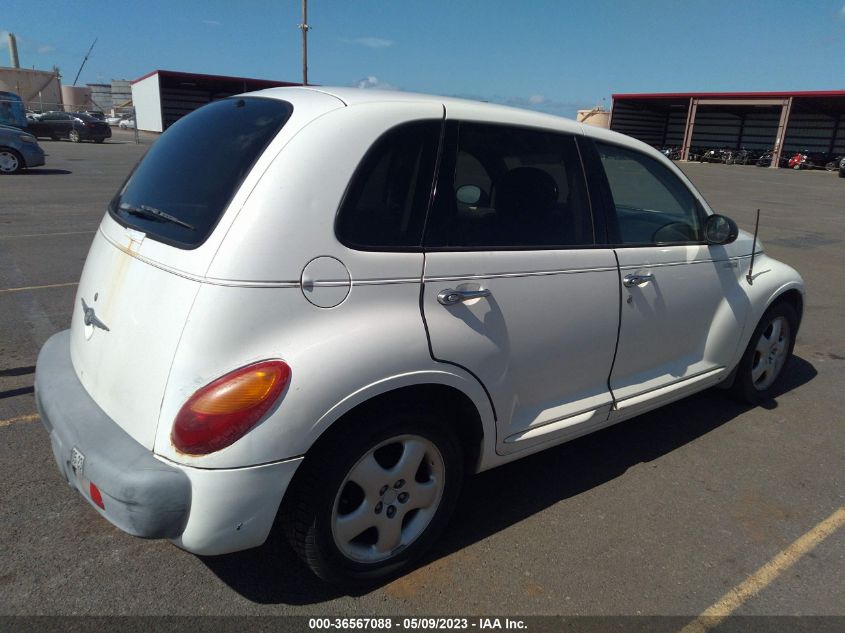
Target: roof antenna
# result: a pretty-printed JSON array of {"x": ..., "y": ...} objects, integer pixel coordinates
[{"x": 750, "y": 277}]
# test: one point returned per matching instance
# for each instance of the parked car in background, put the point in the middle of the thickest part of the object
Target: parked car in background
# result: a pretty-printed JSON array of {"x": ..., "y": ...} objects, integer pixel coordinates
[
  {"x": 18, "y": 150},
  {"x": 70, "y": 125},
  {"x": 126, "y": 124},
  {"x": 560, "y": 278}
]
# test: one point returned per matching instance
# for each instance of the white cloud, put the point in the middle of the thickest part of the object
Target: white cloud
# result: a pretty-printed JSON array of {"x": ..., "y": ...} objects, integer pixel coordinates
[
  {"x": 536, "y": 99},
  {"x": 211, "y": 22},
  {"x": 45, "y": 48},
  {"x": 842, "y": 11},
  {"x": 371, "y": 42},
  {"x": 372, "y": 82}
]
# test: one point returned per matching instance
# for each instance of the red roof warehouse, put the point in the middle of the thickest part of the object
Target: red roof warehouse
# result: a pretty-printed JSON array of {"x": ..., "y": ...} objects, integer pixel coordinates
[{"x": 783, "y": 121}]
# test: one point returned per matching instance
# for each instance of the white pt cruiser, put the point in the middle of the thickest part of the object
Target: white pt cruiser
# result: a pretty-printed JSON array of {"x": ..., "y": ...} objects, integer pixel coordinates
[{"x": 320, "y": 308}]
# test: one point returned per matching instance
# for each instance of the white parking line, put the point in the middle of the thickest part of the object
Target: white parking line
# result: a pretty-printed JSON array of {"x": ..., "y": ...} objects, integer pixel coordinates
[
  {"x": 20, "y": 419},
  {"x": 764, "y": 576},
  {"x": 21, "y": 289}
]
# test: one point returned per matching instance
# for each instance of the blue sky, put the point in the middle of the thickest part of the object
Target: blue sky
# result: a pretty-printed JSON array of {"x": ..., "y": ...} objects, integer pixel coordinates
[{"x": 549, "y": 55}]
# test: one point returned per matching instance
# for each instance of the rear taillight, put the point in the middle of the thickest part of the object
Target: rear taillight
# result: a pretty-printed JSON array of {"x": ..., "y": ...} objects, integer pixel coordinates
[{"x": 223, "y": 411}]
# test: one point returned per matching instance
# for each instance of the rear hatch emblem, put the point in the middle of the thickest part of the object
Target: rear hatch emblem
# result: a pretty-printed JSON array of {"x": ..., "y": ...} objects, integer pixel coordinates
[{"x": 91, "y": 317}]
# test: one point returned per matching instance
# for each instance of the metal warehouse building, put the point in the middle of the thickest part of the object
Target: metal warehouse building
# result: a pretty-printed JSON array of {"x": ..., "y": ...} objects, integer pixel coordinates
[
  {"x": 162, "y": 97},
  {"x": 783, "y": 121}
]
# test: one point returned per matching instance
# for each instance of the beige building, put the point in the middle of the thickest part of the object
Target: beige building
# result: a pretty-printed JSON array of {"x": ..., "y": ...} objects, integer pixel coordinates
[{"x": 39, "y": 89}]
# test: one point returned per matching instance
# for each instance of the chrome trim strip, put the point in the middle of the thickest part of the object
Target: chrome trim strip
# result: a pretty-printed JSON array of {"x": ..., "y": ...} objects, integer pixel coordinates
[
  {"x": 643, "y": 396},
  {"x": 385, "y": 282},
  {"x": 735, "y": 258},
  {"x": 541, "y": 273}
]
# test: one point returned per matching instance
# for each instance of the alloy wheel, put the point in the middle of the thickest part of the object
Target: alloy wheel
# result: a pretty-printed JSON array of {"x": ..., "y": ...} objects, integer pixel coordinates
[
  {"x": 9, "y": 162},
  {"x": 388, "y": 498},
  {"x": 770, "y": 353}
]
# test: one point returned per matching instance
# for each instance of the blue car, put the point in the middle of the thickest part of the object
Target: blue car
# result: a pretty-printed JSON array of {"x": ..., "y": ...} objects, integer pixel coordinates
[{"x": 18, "y": 150}]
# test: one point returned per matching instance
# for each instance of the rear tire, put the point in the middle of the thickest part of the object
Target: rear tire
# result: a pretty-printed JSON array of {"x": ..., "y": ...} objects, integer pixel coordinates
[
  {"x": 768, "y": 353},
  {"x": 373, "y": 498},
  {"x": 74, "y": 137}
]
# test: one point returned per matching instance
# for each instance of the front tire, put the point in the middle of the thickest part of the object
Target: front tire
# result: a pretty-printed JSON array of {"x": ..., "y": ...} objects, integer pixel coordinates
[
  {"x": 10, "y": 161},
  {"x": 370, "y": 500},
  {"x": 768, "y": 353},
  {"x": 74, "y": 137}
]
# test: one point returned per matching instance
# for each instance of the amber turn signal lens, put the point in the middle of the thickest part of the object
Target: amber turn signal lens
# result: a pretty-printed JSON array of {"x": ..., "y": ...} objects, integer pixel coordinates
[{"x": 225, "y": 410}]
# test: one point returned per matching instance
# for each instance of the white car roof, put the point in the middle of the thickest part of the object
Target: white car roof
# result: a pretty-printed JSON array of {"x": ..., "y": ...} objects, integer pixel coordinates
[{"x": 461, "y": 108}]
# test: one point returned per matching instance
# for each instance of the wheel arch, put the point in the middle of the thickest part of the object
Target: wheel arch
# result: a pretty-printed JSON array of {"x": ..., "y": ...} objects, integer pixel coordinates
[
  {"x": 437, "y": 394},
  {"x": 791, "y": 295}
]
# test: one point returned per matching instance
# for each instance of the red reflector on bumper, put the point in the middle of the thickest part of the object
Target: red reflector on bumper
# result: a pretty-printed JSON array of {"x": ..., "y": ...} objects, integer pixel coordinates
[{"x": 96, "y": 497}]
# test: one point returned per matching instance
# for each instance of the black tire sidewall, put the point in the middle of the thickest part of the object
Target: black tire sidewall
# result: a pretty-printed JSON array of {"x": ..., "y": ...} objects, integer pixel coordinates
[
  {"x": 744, "y": 384},
  {"x": 334, "y": 462}
]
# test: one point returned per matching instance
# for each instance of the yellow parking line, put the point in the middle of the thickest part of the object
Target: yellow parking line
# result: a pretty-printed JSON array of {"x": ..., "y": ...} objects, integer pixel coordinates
[
  {"x": 764, "y": 576},
  {"x": 70, "y": 283},
  {"x": 20, "y": 419}
]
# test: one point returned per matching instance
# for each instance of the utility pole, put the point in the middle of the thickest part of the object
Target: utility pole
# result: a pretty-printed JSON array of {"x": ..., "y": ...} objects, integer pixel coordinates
[{"x": 304, "y": 28}]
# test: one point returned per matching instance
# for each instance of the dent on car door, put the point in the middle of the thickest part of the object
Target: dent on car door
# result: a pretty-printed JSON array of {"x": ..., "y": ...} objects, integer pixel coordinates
[
  {"x": 514, "y": 289},
  {"x": 682, "y": 307}
]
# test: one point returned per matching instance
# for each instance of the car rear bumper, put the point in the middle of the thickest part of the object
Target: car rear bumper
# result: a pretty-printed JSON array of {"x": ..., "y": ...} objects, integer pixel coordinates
[
  {"x": 141, "y": 494},
  {"x": 205, "y": 511}
]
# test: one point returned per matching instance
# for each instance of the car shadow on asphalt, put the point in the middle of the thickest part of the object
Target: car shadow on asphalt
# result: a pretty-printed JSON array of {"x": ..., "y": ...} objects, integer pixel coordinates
[
  {"x": 45, "y": 172},
  {"x": 272, "y": 573}
]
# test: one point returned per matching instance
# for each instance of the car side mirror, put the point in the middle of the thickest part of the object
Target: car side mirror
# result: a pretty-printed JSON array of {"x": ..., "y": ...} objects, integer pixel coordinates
[{"x": 719, "y": 229}]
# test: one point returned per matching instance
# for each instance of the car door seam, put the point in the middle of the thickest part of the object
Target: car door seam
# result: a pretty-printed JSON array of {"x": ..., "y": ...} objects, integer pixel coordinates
[{"x": 618, "y": 335}]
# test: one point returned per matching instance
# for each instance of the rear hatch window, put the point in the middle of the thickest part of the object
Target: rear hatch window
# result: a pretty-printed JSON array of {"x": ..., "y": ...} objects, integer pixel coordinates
[{"x": 179, "y": 191}]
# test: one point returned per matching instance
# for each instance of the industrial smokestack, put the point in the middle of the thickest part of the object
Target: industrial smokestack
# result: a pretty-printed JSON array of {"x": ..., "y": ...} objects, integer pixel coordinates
[{"x": 13, "y": 51}]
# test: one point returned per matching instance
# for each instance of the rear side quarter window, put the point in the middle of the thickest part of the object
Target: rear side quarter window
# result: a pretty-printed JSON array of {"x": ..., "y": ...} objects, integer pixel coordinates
[{"x": 387, "y": 199}]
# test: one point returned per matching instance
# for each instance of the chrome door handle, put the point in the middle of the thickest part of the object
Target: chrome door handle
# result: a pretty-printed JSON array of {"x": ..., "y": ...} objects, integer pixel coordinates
[
  {"x": 629, "y": 281},
  {"x": 450, "y": 297}
]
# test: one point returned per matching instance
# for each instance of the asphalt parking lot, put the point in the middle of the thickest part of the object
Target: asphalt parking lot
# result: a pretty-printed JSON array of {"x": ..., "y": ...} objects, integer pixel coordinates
[{"x": 660, "y": 515}]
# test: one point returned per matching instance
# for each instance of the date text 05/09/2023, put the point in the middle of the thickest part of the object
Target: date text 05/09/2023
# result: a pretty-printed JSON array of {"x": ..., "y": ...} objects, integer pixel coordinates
[{"x": 415, "y": 624}]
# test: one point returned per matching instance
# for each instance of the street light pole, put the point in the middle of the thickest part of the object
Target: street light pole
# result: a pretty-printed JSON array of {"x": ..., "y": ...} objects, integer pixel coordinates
[{"x": 304, "y": 28}]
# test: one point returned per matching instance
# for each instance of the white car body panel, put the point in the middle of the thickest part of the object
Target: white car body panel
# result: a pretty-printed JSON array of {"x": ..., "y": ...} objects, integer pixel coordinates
[
  {"x": 656, "y": 348},
  {"x": 541, "y": 303},
  {"x": 536, "y": 360}
]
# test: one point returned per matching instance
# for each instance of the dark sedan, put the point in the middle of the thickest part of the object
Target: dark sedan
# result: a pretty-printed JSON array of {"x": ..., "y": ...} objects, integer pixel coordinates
[{"x": 70, "y": 125}]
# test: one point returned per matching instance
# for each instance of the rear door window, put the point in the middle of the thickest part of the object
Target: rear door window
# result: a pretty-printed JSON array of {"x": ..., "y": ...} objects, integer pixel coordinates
[
  {"x": 510, "y": 188},
  {"x": 181, "y": 188}
]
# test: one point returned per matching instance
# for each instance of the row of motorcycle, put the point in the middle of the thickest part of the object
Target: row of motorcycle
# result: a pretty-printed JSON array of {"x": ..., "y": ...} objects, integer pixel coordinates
[{"x": 761, "y": 157}]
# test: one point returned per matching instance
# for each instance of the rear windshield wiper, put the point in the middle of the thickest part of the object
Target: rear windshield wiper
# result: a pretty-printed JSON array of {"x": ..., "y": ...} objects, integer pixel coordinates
[{"x": 152, "y": 213}]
